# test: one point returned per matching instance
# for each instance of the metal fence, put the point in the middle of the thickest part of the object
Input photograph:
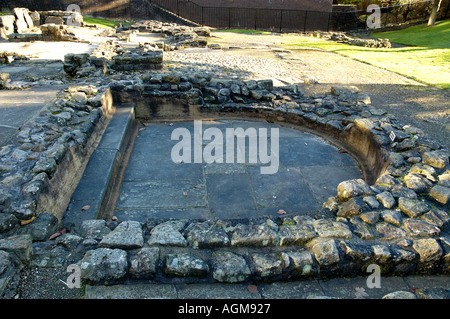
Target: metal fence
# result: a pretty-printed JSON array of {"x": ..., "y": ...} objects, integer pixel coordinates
[
  {"x": 295, "y": 20},
  {"x": 248, "y": 18},
  {"x": 392, "y": 15}
]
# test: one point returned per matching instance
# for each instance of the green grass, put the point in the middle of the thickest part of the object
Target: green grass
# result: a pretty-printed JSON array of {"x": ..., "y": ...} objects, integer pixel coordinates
[
  {"x": 242, "y": 31},
  {"x": 426, "y": 58},
  {"x": 436, "y": 37},
  {"x": 104, "y": 23}
]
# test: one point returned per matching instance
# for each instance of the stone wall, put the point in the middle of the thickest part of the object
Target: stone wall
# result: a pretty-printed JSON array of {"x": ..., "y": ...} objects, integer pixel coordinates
[{"x": 6, "y": 25}]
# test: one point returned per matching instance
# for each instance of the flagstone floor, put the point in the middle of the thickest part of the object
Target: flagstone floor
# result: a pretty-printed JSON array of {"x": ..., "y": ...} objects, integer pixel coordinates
[{"x": 156, "y": 185}]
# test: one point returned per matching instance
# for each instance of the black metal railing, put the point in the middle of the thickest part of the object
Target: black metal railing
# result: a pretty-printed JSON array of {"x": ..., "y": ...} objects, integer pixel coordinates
[
  {"x": 248, "y": 18},
  {"x": 294, "y": 20}
]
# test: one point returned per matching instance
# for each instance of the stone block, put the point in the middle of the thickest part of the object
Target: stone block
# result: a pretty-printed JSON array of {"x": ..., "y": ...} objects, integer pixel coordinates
[
  {"x": 267, "y": 265},
  {"x": 229, "y": 267},
  {"x": 23, "y": 20},
  {"x": 412, "y": 207},
  {"x": 143, "y": 262},
  {"x": 353, "y": 188},
  {"x": 127, "y": 235},
  {"x": 428, "y": 248},
  {"x": 440, "y": 194},
  {"x": 6, "y": 25},
  {"x": 104, "y": 264},
  {"x": 20, "y": 245},
  {"x": 326, "y": 252},
  {"x": 54, "y": 20},
  {"x": 185, "y": 265}
]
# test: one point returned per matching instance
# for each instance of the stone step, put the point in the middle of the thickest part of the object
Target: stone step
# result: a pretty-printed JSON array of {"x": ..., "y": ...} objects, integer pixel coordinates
[
  {"x": 434, "y": 287},
  {"x": 99, "y": 177}
]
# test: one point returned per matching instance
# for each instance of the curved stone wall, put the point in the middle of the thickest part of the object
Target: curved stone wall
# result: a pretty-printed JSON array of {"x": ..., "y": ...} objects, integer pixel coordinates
[{"x": 397, "y": 218}]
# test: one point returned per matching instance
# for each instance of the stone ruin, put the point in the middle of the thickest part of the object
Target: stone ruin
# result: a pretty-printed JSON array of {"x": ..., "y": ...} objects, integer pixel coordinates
[
  {"x": 111, "y": 56},
  {"x": 6, "y": 26},
  {"x": 24, "y": 25},
  {"x": 398, "y": 220},
  {"x": 176, "y": 36},
  {"x": 342, "y": 37},
  {"x": 179, "y": 36}
]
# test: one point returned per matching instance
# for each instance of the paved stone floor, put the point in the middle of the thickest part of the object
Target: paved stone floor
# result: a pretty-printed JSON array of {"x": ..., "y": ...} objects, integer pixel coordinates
[
  {"x": 16, "y": 109},
  {"x": 420, "y": 287},
  {"x": 154, "y": 186}
]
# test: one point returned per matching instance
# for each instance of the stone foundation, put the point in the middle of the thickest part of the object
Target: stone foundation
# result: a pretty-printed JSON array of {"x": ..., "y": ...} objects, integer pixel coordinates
[
  {"x": 342, "y": 37},
  {"x": 109, "y": 56},
  {"x": 396, "y": 218},
  {"x": 397, "y": 221}
]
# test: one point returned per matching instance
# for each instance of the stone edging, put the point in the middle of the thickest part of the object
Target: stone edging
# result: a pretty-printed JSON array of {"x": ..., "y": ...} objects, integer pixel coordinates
[{"x": 390, "y": 223}]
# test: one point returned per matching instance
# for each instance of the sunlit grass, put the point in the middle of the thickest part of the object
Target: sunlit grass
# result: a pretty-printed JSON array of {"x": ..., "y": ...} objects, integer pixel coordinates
[
  {"x": 425, "y": 59},
  {"x": 437, "y": 36},
  {"x": 242, "y": 31},
  {"x": 104, "y": 23}
]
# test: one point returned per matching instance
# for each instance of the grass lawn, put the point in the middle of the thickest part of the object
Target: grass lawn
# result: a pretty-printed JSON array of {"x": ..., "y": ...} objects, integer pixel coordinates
[
  {"x": 104, "y": 23},
  {"x": 425, "y": 58},
  {"x": 242, "y": 31}
]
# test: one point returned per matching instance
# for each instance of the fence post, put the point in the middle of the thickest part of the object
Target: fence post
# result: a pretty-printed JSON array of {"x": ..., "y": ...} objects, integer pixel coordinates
[
  {"x": 304, "y": 25},
  {"x": 229, "y": 18},
  {"x": 281, "y": 19},
  {"x": 386, "y": 18},
  {"x": 328, "y": 24},
  {"x": 256, "y": 17}
]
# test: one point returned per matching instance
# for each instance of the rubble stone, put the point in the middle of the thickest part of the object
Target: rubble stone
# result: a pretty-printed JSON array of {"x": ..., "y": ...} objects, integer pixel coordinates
[
  {"x": 104, "y": 264},
  {"x": 353, "y": 188},
  {"x": 229, "y": 267},
  {"x": 267, "y": 265},
  {"x": 127, "y": 235},
  {"x": 143, "y": 262},
  {"x": 185, "y": 265},
  {"x": 326, "y": 252},
  {"x": 412, "y": 207}
]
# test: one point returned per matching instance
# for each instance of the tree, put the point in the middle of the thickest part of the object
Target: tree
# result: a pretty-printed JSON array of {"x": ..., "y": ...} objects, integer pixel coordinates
[{"x": 436, "y": 4}]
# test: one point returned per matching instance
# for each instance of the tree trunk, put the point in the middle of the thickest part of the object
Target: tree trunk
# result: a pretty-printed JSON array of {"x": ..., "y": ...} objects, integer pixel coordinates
[{"x": 434, "y": 11}]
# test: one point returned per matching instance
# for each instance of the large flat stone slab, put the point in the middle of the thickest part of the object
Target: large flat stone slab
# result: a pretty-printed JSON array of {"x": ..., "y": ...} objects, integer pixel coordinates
[
  {"x": 230, "y": 196},
  {"x": 312, "y": 151},
  {"x": 324, "y": 180},
  {"x": 144, "y": 291},
  {"x": 284, "y": 188},
  {"x": 17, "y": 109},
  {"x": 152, "y": 160},
  {"x": 162, "y": 194}
]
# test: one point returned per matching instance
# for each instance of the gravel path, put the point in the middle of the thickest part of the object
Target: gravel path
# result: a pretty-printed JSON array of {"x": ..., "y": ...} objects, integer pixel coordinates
[{"x": 218, "y": 62}]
